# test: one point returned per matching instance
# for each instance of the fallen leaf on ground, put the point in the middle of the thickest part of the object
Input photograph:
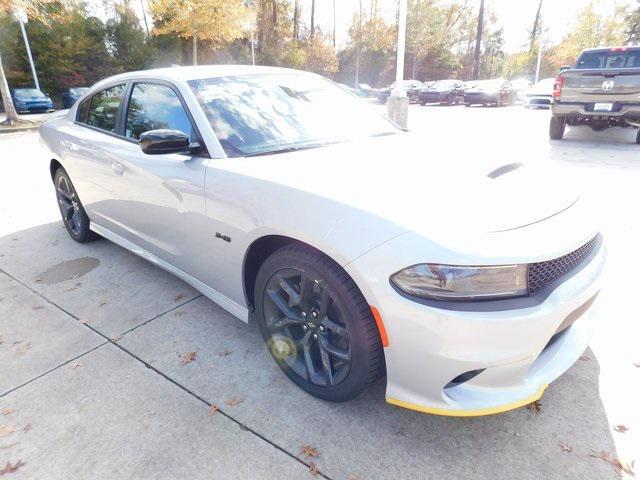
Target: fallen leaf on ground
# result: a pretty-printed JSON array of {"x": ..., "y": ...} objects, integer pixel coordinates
[
  {"x": 6, "y": 430},
  {"x": 76, "y": 365},
  {"x": 38, "y": 280},
  {"x": 8, "y": 468},
  {"x": 116, "y": 338},
  {"x": 225, "y": 353},
  {"x": 565, "y": 448},
  {"x": 214, "y": 409},
  {"x": 102, "y": 304},
  {"x": 535, "y": 407},
  {"x": 26, "y": 428},
  {"x": 7, "y": 411},
  {"x": 313, "y": 469},
  {"x": 352, "y": 477},
  {"x": 309, "y": 452},
  {"x": 179, "y": 313},
  {"x": 234, "y": 401},
  {"x": 178, "y": 297},
  {"x": 621, "y": 428},
  {"x": 618, "y": 466},
  {"x": 37, "y": 307},
  {"x": 188, "y": 357},
  {"x": 7, "y": 447}
]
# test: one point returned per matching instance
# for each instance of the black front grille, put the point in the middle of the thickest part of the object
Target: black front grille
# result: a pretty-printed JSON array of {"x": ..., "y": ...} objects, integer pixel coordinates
[{"x": 543, "y": 273}]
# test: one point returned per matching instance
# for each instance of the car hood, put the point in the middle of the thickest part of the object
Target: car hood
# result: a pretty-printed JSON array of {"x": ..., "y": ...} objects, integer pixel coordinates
[{"x": 394, "y": 179}]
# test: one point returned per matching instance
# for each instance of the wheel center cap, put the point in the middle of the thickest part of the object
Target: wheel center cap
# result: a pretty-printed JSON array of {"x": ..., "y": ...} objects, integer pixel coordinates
[{"x": 311, "y": 325}]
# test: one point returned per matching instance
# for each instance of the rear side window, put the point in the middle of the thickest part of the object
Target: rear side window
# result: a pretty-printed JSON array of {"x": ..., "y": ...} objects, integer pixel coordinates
[
  {"x": 103, "y": 109},
  {"x": 154, "y": 107},
  {"x": 609, "y": 59}
]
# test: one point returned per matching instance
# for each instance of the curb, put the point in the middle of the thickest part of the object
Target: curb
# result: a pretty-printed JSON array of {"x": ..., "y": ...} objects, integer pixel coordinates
[{"x": 18, "y": 129}]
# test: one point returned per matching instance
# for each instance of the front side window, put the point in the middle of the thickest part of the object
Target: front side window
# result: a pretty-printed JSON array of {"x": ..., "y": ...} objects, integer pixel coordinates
[
  {"x": 103, "y": 109},
  {"x": 154, "y": 107},
  {"x": 269, "y": 113}
]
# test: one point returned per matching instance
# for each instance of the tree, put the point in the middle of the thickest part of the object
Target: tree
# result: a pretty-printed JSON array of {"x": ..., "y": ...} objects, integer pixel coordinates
[
  {"x": 126, "y": 40},
  {"x": 216, "y": 21},
  {"x": 476, "y": 54},
  {"x": 633, "y": 26},
  {"x": 535, "y": 31}
]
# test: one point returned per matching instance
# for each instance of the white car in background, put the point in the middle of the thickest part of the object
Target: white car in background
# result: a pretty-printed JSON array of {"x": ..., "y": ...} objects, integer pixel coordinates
[
  {"x": 540, "y": 95},
  {"x": 289, "y": 201},
  {"x": 520, "y": 87}
]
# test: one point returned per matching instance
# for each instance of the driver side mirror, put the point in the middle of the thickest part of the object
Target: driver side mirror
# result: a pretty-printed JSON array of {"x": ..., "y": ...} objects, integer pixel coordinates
[{"x": 158, "y": 142}]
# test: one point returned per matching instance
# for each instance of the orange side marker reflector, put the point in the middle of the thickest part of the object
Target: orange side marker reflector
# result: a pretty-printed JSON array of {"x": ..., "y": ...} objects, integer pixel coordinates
[{"x": 381, "y": 329}]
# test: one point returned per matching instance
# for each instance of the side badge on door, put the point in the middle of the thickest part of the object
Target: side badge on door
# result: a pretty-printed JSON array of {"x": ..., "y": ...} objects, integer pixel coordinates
[{"x": 226, "y": 238}]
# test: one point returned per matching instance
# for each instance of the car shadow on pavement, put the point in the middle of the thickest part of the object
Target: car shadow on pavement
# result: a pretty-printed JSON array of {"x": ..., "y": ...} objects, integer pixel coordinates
[{"x": 161, "y": 321}]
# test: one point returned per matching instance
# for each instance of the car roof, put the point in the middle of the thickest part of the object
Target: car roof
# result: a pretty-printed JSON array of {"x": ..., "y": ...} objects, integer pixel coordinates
[{"x": 198, "y": 72}]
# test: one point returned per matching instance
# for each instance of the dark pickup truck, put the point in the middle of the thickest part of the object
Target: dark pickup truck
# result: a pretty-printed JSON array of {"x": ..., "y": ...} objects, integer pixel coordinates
[{"x": 602, "y": 90}]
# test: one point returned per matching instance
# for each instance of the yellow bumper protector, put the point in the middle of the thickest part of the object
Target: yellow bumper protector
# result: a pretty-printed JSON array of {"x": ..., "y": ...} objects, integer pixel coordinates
[{"x": 449, "y": 412}]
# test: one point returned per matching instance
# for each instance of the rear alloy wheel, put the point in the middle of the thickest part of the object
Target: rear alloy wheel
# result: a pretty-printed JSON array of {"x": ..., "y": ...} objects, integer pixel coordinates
[
  {"x": 74, "y": 217},
  {"x": 556, "y": 127},
  {"x": 317, "y": 325}
]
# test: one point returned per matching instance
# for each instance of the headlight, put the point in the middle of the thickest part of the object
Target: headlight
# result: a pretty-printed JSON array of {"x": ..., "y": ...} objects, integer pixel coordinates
[{"x": 455, "y": 282}]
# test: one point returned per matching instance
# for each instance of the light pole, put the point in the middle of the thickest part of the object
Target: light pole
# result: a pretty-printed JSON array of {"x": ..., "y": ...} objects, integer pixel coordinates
[
  {"x": 538, "y": 61},
  {"x": 398, "y": 103},
  {"x": 22, "y": 19}
]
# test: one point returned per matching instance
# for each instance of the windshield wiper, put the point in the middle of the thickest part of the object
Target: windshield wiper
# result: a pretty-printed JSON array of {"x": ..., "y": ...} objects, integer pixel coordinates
[{"x": 290, "y": 149}]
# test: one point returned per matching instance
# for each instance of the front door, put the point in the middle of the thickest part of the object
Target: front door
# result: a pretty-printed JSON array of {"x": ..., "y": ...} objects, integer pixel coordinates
[{"x": 160, "y": 197}]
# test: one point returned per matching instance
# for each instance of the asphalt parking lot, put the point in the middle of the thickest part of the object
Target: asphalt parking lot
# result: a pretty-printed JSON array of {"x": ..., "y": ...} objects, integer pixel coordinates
[{"x": 98, "y": 379}]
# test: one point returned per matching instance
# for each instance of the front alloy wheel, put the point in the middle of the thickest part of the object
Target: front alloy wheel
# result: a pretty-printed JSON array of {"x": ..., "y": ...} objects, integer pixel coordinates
[{"x": 316, "y": 323}]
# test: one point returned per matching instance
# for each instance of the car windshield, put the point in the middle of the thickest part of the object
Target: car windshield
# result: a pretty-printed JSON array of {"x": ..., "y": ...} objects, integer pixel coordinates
[
  {"x": 609, "y": 59},
  {"x": 440, "y": 84},
  {"x": 28, "y": 92},
  {"x": 271, "y": 113},
  {"x": 489, "y": 84}
]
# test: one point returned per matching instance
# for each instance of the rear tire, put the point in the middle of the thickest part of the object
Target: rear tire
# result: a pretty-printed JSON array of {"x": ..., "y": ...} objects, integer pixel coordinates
[
  {"x": 317, "y": 324},
  {"x": 556, "y": 127},
  {"x": 73, "y": 214}
]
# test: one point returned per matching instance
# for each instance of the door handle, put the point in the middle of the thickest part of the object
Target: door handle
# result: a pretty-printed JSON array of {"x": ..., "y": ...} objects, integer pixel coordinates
[{"x": 117, "y": 168}]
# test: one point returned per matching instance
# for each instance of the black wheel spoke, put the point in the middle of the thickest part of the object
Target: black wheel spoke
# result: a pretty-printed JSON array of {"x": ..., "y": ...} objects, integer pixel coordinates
[
  {"x": 334, "y": 327},
  {"x": 333, "y": 350},
  {"x": 282, "y": 305},
  {"x": 326, "y": 364},
  {"x": 294, "y": 297},
  {"x": 283, "y": 323}
]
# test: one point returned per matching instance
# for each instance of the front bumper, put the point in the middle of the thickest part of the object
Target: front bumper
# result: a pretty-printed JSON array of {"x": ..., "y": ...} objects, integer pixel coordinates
[
  {"x": 429, "y": 346},
  {"x": 34, "y": 108},
  {"x": 480, "y": 98}
]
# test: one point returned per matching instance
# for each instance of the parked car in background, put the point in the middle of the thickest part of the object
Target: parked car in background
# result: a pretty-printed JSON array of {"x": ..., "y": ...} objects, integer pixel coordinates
[
  {"x": 72, "y": 95},
  {"x": 412, "y": 87},
  {"x": 365, "y": 90},
  {"x": 495, "y": 92},
  {"x": 444, "y": 92},
  {"x": 520, "y": 87},
  {"x": 471, "y": 308},
  {"x": 602, "y": 90},
  {"x": 31, "y": 100},
  {"x": 540, "y": 94}
]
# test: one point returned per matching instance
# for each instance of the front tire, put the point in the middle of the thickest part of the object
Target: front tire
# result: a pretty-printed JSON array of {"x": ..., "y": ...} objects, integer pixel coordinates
[
  {"x": 556, "y": 127},
  {"x": 73, "y": 214},
  {"x": 317, "y": 324}
]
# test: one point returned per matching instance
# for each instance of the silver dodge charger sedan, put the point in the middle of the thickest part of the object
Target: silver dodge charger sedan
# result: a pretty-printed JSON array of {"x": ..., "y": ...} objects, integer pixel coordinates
[{"x": 288, "y": 200}]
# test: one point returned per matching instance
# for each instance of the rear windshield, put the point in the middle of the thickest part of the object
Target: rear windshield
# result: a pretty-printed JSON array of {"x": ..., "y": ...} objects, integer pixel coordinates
[
  {"x": 28, "y": 92},
  {"x": 609, "y": 59}
]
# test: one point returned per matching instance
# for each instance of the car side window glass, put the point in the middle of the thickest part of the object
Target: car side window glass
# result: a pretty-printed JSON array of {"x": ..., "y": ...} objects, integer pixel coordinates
[
  {"x": 103, "y": 110},
  {"x": 83, "y": 110},
  {"x": 154, "y": 107}
]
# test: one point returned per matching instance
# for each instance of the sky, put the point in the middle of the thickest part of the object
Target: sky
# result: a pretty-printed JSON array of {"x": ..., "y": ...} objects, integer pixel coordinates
[{"x": 514, "y": 16}]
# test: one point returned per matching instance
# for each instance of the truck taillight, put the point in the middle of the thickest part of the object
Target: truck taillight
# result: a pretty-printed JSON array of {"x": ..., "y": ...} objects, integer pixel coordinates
[{"x": 557, "y": 86}]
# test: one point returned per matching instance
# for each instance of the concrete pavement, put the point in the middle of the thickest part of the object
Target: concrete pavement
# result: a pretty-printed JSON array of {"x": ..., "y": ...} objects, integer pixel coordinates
[{"x": 94, "y": 343}]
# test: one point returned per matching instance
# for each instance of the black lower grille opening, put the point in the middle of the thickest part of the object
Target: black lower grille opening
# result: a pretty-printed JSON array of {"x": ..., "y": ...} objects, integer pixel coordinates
[{"x": 464, "y": 377}]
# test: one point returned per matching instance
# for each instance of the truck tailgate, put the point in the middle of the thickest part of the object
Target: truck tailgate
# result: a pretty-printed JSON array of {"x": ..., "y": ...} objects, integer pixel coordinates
[{"x": 601, "y": 86}]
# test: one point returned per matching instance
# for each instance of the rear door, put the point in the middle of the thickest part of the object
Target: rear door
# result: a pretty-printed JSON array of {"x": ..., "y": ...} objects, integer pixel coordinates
[{"x": 89, "y": 152}]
